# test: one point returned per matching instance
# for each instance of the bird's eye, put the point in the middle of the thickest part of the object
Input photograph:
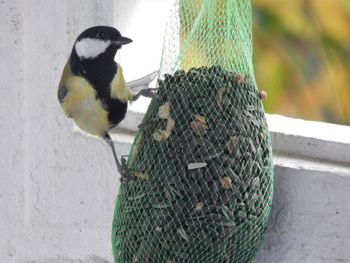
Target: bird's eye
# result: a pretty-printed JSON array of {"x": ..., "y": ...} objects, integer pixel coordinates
[{"x": 100, "y": 36}]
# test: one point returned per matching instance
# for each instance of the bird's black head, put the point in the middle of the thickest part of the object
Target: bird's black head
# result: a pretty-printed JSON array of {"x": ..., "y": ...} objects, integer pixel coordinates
[{"x": 99, "y": 41}]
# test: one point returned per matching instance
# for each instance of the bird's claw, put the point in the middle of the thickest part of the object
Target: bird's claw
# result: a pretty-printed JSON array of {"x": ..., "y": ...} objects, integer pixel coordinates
[
  {"x": 124, "y": 159},
  {"x": 149, "y": 93},
  {"x": 124, "y": 169}
]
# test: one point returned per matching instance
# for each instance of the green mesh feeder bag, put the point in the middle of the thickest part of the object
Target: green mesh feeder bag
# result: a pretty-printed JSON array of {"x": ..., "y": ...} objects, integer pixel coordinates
[{"x": 200, "y": 172}]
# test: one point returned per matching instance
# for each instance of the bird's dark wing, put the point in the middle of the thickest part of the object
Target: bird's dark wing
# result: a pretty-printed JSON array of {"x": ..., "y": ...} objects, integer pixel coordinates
[
  {"x": 61, "y": 93},
  {"x": 62, "y": 89}
]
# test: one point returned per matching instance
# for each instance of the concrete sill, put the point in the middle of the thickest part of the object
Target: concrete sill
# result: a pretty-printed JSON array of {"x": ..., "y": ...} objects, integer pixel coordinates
[
  {"x": 296, "y": 143},
  {"x": 296, "y": 137},
  {"x": 309, "y": 139}
]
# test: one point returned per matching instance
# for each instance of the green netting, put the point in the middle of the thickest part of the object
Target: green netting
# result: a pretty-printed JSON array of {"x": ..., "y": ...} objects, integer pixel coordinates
[{"x": 200, "y": 169}]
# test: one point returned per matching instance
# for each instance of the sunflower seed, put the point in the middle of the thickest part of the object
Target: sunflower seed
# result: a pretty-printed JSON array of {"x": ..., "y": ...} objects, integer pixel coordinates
[{"x": 192, "y": 166}]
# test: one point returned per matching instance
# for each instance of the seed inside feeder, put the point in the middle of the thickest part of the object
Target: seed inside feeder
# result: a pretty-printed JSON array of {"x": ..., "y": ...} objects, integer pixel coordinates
[
  {"x": 199, "y": 170},
  {"x": 226, "y": 182}
]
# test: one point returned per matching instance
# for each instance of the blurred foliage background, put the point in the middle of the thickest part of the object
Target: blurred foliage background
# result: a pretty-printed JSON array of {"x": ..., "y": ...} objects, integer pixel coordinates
[
  {"x": 302, "y": 57},
  {"x": 301, "y": 51}
]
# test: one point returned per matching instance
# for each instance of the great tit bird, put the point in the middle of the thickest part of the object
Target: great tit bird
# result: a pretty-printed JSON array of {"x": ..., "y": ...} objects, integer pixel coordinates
[{"x": 92, "y": 90}]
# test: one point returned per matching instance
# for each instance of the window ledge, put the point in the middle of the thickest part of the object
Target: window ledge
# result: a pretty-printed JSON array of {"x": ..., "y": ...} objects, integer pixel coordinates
[
  {"x": 310, "y": 139},
  {"x": 298, "y": 139}
]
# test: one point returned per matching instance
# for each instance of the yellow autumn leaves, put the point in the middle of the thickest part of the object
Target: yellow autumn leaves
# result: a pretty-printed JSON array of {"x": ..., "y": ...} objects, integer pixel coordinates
[
  {"x": 301, "y": 51},
  {"x": 302, "y": 57}
]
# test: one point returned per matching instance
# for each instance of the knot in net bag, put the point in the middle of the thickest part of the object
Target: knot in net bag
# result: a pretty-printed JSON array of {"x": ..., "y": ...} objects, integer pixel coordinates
[{"x": 200, "y": 169}]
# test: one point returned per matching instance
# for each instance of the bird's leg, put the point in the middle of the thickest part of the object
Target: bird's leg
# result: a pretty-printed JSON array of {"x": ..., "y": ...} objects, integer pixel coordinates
[
  {"x": 149, "y": 93},
  {"x": 122, "y": 169}
]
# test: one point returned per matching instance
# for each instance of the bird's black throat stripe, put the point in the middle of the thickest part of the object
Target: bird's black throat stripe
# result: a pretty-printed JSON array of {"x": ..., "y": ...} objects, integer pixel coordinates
[{"x": 100, "y": 72}]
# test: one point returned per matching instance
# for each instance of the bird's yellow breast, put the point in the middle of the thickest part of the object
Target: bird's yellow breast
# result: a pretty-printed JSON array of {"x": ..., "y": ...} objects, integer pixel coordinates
[
  {"x": 81, "y": 105},
  {"x": 119, "y": 88}
]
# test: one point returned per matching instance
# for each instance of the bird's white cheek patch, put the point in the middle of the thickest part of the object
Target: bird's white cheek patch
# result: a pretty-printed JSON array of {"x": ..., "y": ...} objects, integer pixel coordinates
[{"x": 90, "y": 48}]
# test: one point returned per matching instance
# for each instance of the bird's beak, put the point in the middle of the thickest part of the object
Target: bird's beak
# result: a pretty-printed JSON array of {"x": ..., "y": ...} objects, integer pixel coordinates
[{"x": 122, "y": 41}]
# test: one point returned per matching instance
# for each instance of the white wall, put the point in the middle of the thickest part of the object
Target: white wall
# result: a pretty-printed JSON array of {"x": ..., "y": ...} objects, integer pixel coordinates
[
  {"x": 143, "y": 21},
  {"x": 310, "y": 220},
  {"x": 58, "y": 188}
]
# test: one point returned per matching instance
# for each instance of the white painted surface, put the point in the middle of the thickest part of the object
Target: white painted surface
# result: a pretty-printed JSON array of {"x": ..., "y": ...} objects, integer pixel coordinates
[
  {"x": 144, "y": 24},
  {"x": 58, "y": 188},
  {"x": 310, "y": 221},
  {"x": 310, "y": 139}
]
